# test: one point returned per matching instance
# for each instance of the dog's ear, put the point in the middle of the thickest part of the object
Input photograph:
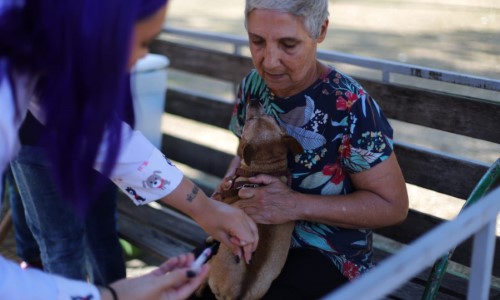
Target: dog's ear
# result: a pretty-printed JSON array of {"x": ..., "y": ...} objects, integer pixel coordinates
[
  {"x": 292, "y": 144},
  {"x": 243, "y": 143},
  {"x": 248, "y": 153}
]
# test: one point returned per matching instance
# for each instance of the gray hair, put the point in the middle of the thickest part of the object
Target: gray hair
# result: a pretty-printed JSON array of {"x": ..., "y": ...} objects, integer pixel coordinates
[{"x": 312, "y": 12}]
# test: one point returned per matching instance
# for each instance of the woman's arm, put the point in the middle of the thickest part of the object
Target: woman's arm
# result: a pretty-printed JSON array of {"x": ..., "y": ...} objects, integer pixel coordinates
[{"x": 146, "y": 175}]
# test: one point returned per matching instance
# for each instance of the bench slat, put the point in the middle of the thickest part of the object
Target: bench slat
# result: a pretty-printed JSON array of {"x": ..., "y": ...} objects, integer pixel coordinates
[
  {"x": 202, "y": 61},
  {"x": 208, "y": 110},
  {"x": 451, "y": 113},
  {"x": 438, "y": 171},
  {"x": 165, "y": 220}
]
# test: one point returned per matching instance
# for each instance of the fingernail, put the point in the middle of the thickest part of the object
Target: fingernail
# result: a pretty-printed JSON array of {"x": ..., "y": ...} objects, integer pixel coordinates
[
  {"x": 237, "y": 259},
  {"x": 190, "y": 274}
]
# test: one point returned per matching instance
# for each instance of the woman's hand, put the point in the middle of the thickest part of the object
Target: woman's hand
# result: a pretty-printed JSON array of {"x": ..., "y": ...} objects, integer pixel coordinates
[
  {"x": 169, "y": 281},
  {"x": 271, "y": 203},
  {"x": 225, "y": 223},
  {"x": 231, "y": 226}
]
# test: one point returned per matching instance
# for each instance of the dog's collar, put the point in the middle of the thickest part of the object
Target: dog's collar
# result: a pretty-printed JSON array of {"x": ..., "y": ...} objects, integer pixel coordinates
[
  {"x": 245, "y": 173},
  {"x": 238, "y": 185}
]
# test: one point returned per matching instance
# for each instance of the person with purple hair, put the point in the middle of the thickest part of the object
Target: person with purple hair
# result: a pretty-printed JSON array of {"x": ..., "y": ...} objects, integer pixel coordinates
[{"x": 68, "y": 63}]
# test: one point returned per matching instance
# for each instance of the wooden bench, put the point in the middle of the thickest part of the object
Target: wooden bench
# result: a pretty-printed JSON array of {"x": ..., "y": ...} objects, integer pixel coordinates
[{"x": 164, "y": 232}]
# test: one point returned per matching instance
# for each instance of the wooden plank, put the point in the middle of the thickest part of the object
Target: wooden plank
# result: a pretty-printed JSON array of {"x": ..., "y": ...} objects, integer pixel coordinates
[
  {"x": 451, "y": 113},
  {"x": 208, "y": 110},
  {"x": 203, "y": 61},
  {"x": 196, "y": 156},
  {"x": 438, "y": 171},
  {"x": 169, "y": 222},
  {"x": 150, "y": 239},
  {"x": 465, "y": 116}
]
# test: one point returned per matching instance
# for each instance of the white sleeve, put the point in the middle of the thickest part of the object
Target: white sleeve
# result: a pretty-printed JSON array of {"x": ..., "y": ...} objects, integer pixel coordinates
[
  {"x": 142, "y": 171},
  {"x": 19, "y": 284}
]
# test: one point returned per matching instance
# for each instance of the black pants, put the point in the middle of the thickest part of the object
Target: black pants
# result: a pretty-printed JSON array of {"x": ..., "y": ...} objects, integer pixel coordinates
[{"x": 307, "y": 275}]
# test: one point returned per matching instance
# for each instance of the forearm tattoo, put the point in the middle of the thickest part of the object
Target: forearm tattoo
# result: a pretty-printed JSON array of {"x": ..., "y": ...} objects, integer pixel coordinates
[{"x": 190, "y": 197}]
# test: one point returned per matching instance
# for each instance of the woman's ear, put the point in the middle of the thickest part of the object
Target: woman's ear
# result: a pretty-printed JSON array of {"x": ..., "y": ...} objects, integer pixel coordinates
[{"x": 324, "y": 28}]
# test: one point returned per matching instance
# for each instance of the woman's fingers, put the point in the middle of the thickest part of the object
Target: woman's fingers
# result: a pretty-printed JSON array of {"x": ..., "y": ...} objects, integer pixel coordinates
[
  {"x": 181, "y": 261},
  {"x": 177, "y": 284}
]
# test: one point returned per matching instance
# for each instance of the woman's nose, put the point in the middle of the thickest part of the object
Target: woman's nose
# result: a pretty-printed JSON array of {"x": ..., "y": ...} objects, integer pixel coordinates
[{"x": 271, "y": 58}]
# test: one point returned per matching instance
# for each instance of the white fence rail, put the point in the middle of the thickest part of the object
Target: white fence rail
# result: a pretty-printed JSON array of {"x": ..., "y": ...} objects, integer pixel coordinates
[{"x": 479, "y": 221}]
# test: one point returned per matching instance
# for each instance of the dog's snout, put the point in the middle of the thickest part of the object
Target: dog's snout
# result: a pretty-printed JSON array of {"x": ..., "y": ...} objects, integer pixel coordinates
[{"x": 254, "y": 109}]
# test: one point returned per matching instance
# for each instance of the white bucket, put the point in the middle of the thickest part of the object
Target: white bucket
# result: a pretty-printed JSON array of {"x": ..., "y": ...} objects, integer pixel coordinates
[{"x": 149, "y": 87}]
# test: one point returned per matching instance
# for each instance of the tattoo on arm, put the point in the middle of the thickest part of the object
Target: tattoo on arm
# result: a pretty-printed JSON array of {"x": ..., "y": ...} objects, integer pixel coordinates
[{"x": 190, "y": 197}]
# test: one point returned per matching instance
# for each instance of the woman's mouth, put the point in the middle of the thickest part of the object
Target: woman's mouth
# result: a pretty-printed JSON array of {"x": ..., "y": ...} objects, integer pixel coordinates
[{"x": 273, "y": 77}]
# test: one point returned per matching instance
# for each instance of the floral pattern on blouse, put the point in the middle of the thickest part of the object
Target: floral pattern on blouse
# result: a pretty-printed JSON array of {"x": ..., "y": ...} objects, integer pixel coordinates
[{"x": 342, "y": 131}]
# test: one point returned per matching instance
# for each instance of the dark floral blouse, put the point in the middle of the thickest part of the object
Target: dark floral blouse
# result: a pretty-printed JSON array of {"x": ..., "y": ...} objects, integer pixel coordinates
[{"x": 342, "y": 131}]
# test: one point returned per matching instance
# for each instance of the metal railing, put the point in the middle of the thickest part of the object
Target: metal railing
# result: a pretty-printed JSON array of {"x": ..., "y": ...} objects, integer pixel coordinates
[{"x": 479, "y": 221}]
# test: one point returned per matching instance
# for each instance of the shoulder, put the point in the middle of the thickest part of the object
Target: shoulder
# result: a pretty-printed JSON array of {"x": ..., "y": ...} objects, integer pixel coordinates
[{"x": 347, "y": 81}]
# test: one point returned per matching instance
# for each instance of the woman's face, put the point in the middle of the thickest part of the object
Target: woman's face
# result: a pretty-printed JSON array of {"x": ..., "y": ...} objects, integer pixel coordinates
[
  {"x": 282, "y": 51},
  {"x": 145, "y": 31}
]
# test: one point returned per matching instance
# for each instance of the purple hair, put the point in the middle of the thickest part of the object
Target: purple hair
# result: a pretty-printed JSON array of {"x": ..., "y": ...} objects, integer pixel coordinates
[{"x": 80, "y": 49}]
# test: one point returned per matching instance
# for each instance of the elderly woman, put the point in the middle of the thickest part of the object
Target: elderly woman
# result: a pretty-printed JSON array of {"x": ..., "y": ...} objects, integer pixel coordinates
[{"x": 347, "y": 181}]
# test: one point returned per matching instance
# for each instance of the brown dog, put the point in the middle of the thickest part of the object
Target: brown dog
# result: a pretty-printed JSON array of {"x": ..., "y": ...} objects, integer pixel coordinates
[{"x": 264, "y": 147}]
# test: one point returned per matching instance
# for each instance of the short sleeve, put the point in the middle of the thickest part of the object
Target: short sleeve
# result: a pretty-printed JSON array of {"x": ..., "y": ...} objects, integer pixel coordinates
[
  {"x": 142, "y": 172},
  {"x": 370, "y": 137}
]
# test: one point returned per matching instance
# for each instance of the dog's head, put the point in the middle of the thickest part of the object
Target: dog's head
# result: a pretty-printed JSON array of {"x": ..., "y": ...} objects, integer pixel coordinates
[{"x": 264, "y": 144}]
